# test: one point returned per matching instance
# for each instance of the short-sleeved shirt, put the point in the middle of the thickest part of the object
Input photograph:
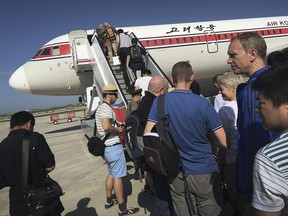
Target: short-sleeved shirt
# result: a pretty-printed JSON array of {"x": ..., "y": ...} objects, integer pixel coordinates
[
  {"x": 124, "y": 40},
  {"x": 143, "y": 83},
  {"x": 270, "y": 176},
  {"x": 191, "y": 118},
  {"x": 105, "y": 111}
]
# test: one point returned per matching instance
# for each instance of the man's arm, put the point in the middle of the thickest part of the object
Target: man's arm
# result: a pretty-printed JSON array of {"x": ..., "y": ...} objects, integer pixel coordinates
[
  {"x": 149, "y": 127},
  {"x": 221, "y": 137},
  {"x": 127, "y": 61},
  {"x": 108, "y": 128}
]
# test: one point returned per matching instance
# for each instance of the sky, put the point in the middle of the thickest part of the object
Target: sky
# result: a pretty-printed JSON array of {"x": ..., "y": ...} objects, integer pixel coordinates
[{"x": 26, "y": 26}]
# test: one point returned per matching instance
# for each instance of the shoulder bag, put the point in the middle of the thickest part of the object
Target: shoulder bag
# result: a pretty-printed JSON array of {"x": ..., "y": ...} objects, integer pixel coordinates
[
  {"x": 38, "y": 200},
  {"x": 96, "y": 146}
]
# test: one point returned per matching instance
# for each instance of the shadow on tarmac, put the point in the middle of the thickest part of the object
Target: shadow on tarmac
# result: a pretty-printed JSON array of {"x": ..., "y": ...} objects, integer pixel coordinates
[
  {"x": 77, "y": 127},
  {"x": 82, "y": 209}
]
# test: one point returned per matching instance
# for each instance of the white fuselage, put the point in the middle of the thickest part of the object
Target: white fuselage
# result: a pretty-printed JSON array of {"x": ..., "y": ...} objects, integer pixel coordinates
[{"x": 203, "y": 44}]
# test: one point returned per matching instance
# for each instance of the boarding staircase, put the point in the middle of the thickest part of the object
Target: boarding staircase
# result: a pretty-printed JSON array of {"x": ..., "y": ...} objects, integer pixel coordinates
[{"x": 88, "y": 56}]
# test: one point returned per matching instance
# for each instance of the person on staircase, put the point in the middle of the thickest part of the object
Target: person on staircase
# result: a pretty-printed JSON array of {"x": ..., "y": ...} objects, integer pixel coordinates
[{"x": 111, "y": 41}]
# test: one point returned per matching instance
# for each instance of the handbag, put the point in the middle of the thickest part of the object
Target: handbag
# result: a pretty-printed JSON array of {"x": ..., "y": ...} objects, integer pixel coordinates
[
  {"x": 116, "y": 60},
  {"x": 96, "y": 146},
  {"x": 38, "y": 200}
]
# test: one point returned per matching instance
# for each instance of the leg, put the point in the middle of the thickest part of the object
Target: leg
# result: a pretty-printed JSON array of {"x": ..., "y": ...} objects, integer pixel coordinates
[
  {"x": 202, "y": 186},
  {"x": 115, "y": 48},
  {"x": 109, "y": 185},
  {"x": 163, "y": 201},
  {"x": 177, "y": 191},
  {"x": 118, "y": 189},
  {"x": 110, "y": 51}
]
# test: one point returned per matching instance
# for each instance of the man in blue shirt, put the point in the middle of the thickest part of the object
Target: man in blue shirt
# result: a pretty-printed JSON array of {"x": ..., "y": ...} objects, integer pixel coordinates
[
  {"x": 191, "y": 118},
  {"x": 246, "y": 56}
]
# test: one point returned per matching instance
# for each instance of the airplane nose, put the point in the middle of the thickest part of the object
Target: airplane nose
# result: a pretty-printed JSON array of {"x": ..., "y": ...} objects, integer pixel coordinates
[{"x": 19, "y": 82}]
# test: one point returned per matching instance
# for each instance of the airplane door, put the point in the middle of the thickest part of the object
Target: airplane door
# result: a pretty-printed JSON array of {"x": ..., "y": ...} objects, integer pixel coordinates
[{"x": 211, "y": 40}]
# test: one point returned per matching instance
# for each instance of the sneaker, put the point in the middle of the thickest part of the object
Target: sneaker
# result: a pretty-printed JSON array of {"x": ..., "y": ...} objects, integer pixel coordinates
[
  {"x": 109, "y": 205},
  {"x": 128, "y": 210}
]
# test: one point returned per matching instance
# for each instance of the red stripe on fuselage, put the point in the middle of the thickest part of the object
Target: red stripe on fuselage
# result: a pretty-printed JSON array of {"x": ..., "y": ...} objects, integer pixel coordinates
[{"x": 185, "y": 40}]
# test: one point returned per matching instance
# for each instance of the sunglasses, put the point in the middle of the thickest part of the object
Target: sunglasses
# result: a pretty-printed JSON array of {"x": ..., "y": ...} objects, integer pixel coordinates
[{"x": 116, "y": 95}]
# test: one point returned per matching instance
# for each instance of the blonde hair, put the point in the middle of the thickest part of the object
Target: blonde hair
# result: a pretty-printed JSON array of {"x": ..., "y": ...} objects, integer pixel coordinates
[{"x": 230, "y": 80}]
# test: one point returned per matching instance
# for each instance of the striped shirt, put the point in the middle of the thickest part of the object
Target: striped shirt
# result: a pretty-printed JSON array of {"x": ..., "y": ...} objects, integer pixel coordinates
[
  {"x": 104, "y": 111},
  {"x": 270, "y": 180}
]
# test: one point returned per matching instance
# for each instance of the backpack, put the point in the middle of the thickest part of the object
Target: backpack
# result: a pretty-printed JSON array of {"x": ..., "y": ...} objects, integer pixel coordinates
[
  {"x": 133, "y": 139},
  {"x": 136, "y": 55},
  {"x": 110, "y": 34},
  {"x": 160, "y": 151}
]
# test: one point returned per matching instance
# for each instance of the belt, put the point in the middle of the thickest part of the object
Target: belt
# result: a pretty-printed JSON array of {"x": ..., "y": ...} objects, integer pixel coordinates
[{"x": 113, "y": 145}]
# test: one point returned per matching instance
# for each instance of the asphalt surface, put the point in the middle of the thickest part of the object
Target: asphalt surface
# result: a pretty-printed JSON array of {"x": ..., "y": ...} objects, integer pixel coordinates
[{"x": 81, "y": 175}]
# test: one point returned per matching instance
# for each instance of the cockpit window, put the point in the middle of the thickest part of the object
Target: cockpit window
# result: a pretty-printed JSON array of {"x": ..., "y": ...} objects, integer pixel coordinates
[
  {"x": 56, "y": 50},
  {"x": 45, "y": 52}
]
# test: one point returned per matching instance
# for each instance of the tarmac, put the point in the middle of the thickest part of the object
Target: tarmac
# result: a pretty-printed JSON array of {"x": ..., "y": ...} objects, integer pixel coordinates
[{"x": 80, "y": 174}]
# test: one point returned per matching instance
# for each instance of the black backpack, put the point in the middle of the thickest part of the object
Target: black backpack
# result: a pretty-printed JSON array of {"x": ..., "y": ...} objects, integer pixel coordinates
[
  {"x": 133, "y": 139},
  {"x": 160, "y": 151},
  {"x": 136, "y": 55}
]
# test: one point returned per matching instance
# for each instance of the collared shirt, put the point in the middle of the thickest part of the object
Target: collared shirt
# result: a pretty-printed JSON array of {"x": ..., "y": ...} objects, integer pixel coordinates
[{"x": 191, "y": 118}]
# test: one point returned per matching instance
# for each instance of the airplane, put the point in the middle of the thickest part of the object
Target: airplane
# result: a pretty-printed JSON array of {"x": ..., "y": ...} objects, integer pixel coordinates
[
  {"x": 59, "y": 68},
  {"x": 203, "y": 44}
]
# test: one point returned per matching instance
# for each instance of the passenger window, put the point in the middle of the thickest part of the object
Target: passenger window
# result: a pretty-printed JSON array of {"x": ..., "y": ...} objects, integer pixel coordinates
[
  {"x": 170, "y": 41},
  {"x": 163, "y": 42},
  {"x": 192, "y": 39},
  {"x": 185, "y": 40},
  {"x": 199, "y": 38},
  {"x": 155, "y": 42},
  {"x": 56, "y": 50},
  {"x": 219, "y": 37},
  {"x": 148, "y": 43},
  {"x": 177, "y": 40},
  {"x": 45, "y": 52}
]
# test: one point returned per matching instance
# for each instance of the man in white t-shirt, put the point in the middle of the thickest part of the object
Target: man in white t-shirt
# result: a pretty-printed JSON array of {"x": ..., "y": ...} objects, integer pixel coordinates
[{"x": 143, "y": 81}]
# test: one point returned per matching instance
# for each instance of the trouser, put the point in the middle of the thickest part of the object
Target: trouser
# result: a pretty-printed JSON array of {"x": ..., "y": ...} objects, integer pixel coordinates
[
  {"x": 123, "y": 56},
  {"x": 112, "y": 49},
  {"x": 163, "y": 201},
  {"x": 137, "y": 66},
  {"x": 202, "y": 189}
]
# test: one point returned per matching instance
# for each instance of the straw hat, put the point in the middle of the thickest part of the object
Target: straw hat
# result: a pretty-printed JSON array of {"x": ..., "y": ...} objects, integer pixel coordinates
[{"x": 109, "y": 89}]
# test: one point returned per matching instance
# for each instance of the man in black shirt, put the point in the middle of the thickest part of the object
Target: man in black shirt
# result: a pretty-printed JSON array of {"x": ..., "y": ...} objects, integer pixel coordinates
[{"x": 41, "y": 162}]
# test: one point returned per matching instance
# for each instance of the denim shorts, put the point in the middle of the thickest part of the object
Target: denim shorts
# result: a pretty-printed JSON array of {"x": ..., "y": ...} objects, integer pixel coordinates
[{"x": 116, "y": 161}]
